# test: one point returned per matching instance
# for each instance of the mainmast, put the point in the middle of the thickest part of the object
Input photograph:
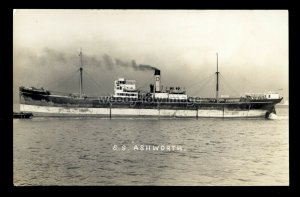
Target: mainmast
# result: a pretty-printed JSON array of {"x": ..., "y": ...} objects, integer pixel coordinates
[
  {"x": 217, "y": 85},
  {"x": 80, "y": 69}
]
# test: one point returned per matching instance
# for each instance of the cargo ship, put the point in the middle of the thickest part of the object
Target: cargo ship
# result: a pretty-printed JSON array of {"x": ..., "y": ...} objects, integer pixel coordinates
[{"x": 129, "y": 101}]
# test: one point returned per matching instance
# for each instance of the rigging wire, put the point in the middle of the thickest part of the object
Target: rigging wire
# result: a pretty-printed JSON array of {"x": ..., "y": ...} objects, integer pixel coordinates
[
  {"x": 204, "y": 85},
  {"x": 228, "y": 84},
  {"x": 91, "y": 78},
  {"x": 211, "y": 91},
  {"x": 62, "y": 81},
  {"x": 94, "y": 82},
  {"x": 202, "y": 81},
  {"x": 196, "y": 76}
]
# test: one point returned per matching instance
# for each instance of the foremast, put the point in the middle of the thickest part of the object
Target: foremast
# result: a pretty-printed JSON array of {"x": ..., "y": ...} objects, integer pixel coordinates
[
  {"x": 217, "y": 85},
  {"x": 80, "y": 69}
]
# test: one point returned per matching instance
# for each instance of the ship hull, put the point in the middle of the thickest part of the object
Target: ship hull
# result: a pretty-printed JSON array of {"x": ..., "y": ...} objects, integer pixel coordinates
[
  {"x": 131, "y": 112},
  {"x": 47, "y": 104}
]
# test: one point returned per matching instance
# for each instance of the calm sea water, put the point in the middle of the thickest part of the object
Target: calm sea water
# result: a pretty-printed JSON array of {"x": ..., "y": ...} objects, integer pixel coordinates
[{"x": 81, "y": 151}]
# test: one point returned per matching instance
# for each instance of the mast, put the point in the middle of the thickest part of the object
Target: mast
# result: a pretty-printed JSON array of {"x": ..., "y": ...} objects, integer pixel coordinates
[
  {"x": 217, "y": 85},
  {"x": 80, "y": 69}
]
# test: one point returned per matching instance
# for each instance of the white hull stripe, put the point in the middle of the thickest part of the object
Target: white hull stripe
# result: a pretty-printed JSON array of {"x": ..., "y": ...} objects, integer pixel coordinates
[{"x": 64, "y": 111}]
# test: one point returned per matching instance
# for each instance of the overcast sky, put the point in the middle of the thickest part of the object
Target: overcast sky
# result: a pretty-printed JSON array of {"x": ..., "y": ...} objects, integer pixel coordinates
[{"x": 252, "y": 48}]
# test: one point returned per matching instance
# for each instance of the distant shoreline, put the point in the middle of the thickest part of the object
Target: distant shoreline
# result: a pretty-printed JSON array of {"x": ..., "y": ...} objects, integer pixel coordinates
[{"x": 281, "y": 105}]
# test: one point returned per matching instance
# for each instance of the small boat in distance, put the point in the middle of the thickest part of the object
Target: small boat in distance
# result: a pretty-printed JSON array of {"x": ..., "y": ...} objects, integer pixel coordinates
[{"x": 22, "y": 115}]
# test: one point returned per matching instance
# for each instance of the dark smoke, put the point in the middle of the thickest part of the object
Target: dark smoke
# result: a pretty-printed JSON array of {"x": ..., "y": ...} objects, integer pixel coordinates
[
  {"x": 111, "y": 63},
  {"x": 146, "y": 67},
  {"x": 53, "y": 57},
  {"x": 132, "y": 64},
  {"x": 122, "y": 63},
  {"x": 142, "y": 66},
  {"x": 108, "y": 62},
  {"x": 57, "y": 70}
]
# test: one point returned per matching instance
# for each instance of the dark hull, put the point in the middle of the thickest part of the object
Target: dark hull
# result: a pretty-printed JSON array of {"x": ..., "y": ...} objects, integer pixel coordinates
[{"x": 47, "y": 103}]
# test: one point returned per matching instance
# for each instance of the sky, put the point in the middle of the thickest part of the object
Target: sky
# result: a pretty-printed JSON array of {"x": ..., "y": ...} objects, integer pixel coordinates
[{"x": 252, "y": 47}]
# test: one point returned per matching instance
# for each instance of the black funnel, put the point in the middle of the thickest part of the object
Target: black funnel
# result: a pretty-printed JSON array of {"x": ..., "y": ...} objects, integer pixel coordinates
[{"x": 157, "y": 72}]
